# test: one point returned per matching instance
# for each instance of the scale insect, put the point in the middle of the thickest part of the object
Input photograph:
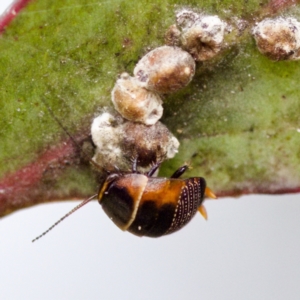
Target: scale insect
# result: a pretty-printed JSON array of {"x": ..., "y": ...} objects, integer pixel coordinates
[{"x": 145, "y": 205}]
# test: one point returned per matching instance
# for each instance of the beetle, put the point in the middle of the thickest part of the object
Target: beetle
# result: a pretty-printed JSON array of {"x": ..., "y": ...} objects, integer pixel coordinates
[
  {"x": 152, "y": 206},
  {"x": 145, "y": 205}
]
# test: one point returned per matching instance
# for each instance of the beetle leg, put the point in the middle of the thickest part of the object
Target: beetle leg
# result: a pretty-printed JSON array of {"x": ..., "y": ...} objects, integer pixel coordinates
[
  {"x": 202, "y": 211},
  {"x": 117, "y": 170},
  {"x": 153, "y": 169},
  {"x": 180, "y": 171},
  {"x": 134, "y": 161},
  {"x": 209, "y": 193}
]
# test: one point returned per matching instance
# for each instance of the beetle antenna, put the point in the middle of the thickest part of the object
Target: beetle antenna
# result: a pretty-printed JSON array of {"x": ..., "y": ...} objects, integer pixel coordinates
[
  {"x": 69, "y": 135},
  {"x": 65, "y": 216}
]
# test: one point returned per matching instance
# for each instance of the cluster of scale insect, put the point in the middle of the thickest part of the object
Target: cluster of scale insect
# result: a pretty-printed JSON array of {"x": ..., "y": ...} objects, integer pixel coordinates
[
  {"x": 199, "y": 34},
  {"x": 138, "y": 98}
]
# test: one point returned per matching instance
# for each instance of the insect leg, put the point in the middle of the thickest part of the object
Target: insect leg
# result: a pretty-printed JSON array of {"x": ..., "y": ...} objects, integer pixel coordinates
[{"x": 180, "y": 171}]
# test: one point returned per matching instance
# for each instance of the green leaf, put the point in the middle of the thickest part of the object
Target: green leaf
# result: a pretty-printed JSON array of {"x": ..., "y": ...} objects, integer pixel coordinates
[{"x": 238, "y": 121}]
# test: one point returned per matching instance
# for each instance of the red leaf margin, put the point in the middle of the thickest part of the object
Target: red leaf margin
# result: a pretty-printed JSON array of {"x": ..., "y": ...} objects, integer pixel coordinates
[
  {"x": 28, "y": 185},
  {"x": 11, "y": 12}
]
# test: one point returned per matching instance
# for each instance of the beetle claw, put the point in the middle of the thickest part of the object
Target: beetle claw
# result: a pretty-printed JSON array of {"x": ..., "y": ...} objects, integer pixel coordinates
[
  {"x": 209, "y": 193},
  {"x": 202, "y": 211}
]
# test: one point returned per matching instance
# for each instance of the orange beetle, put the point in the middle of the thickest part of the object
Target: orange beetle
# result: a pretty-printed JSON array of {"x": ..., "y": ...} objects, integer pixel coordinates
[{"x": 152, "y": 206}]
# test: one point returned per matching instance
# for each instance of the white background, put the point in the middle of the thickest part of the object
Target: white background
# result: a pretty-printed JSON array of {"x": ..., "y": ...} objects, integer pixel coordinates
[{"x": 248, "y": 249}]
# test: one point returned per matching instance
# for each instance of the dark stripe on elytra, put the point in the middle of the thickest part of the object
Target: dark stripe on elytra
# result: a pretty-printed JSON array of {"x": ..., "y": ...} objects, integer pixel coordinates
[
  {"x": 164, "y": 220},
  {"x": 118, "y": 205},
  {"x": 144, "y": 219},
  {"x": 151, "y": 220}
]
